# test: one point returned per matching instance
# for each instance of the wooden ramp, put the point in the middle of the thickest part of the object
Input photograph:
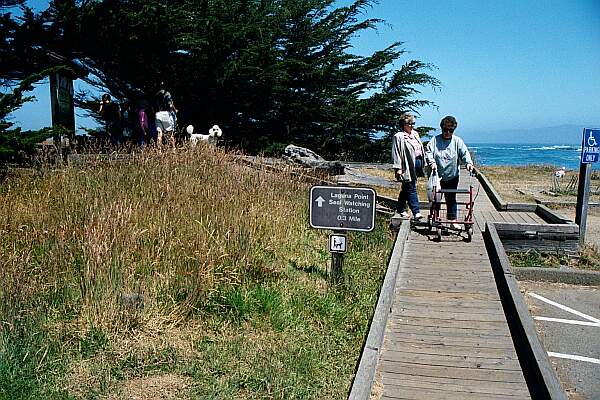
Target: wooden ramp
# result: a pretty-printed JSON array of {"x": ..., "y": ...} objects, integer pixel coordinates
[{"x": 447, "y": 335}]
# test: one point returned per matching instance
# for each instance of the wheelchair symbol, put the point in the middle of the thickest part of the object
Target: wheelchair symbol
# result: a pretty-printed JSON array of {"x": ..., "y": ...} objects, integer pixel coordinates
[{"x": 591, "y": 141}]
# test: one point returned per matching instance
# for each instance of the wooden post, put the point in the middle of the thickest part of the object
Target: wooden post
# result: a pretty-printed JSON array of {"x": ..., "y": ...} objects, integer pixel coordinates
[
  {"x": 337, "y": 264},
  {"x": 583, "y": 197},
  {"x": 63, "y": 109}
]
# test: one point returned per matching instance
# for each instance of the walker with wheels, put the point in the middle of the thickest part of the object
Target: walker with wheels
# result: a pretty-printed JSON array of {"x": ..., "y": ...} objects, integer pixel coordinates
[{"x": 441, "y": 225}]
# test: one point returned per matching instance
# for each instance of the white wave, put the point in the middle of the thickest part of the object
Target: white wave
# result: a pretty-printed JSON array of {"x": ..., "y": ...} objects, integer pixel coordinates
[{"x": 554, "y": 147}]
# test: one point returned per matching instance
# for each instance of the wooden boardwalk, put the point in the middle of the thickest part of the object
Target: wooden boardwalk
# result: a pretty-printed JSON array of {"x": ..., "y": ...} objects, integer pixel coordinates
[{"x": 447, "y": 336}]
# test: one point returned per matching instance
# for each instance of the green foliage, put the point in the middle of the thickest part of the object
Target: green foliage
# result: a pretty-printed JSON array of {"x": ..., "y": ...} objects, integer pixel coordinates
[
  {"x": 269, "y": 72},
  {"x": 243, "y": 303},
  {"x": 530, "y": 258},
  {"x": 425, "y": 132},
  {"x": 589, "y": 257},
  {"x": 94, "y": 341},
  {"x": 30, "y": 361}
]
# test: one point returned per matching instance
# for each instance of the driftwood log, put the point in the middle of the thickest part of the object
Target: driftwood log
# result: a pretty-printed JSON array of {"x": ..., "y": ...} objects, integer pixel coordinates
[{"x": 307, "y": 158}]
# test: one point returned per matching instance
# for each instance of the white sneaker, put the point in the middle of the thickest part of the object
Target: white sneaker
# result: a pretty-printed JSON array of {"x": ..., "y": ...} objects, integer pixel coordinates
[
  {"x": 404, "y": 215},
  {"x": 418, "y": 217},
  {"x": 456, "y": 226}
]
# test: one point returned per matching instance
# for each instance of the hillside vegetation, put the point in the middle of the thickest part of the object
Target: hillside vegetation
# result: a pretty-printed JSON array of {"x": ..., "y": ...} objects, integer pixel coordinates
[{"x": 176, "y": 275}]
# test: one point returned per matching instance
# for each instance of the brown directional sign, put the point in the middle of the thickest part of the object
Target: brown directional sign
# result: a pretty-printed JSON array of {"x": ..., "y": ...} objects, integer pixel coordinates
[{"x": 342, "y": 208}]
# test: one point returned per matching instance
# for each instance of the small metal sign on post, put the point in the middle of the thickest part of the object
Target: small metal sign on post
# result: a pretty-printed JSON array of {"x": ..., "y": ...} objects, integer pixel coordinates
[
  {"x": 341, "y": 208},
  {"x": 590, "y": 151},
  {"x": 337, "y": 248},
  {"x": 337, "y": 243}
]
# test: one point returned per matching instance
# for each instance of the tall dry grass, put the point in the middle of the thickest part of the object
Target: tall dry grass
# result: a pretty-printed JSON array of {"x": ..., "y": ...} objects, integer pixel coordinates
[
  {"x": 183, "y": 267},
  {"x": 167, "y": 227}
]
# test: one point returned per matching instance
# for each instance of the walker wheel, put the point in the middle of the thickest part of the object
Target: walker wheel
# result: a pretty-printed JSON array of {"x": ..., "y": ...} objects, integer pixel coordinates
[
  {"x": 439, "y": 234},
  {"x": 469, "y": 234}
]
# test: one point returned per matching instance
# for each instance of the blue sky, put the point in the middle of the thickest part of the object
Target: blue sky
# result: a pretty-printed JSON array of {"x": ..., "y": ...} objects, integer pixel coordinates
[{"x": 502, "y": 64}]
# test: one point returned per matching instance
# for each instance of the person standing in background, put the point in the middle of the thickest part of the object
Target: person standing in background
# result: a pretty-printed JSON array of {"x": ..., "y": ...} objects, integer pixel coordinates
[
  {"x": 127, "y": 121},
  {"x": 164, "y": 102},
  {"x": 111, "y": 114},
  {"x": 445, "y": 153},
  {"x": 408, "y": 156},
  {"x": 142, "y": 124},
  {"x": 166, "y": 116}
]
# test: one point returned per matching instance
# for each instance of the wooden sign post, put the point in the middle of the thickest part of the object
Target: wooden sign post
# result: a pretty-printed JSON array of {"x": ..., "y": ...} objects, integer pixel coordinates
[
  {"x": 62, "y": 107},
  {"x": 341, "y": 208}
]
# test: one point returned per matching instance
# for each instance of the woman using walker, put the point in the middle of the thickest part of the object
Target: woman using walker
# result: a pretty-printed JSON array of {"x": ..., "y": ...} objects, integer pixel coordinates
[
  {"x": 445, "y": 152},
  {"x": 407, "y": 156}
]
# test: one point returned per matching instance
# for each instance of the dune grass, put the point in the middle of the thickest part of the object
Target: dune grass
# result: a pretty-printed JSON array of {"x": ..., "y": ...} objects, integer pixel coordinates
[
  {"x": 588, "y": 258},
  {"x": 186, "y": 271}
]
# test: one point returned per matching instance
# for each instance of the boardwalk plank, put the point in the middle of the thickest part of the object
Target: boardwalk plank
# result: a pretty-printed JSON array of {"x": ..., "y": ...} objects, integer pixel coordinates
[
  {"x": 458, "y": 361},
  {"x": 411, "y": 321},
  {"x": 454, "y": 306},
  {"x": 448, "y": 315},
  {"x": 474, "y": 342},
  {"x": 513, "y": 217},
  {"x": 441, "y": 302},
  {"x": 453, "y": 351},
  {"x": 452, "y": 275},
  {"x": 447, "y": 295},
  {"x": 450, "y": 330},
  {"x": 429, "y": 394},
  {"x": 475, "y": 388},
  {"x": 474, "y": 374}
]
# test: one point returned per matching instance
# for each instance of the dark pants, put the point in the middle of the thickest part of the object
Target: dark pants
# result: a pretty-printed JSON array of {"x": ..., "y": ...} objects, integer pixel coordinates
[
  {"x": 408, "y": 193},
  {"x": 452, "y": 208},
  {"x": 115, "y": 133}
]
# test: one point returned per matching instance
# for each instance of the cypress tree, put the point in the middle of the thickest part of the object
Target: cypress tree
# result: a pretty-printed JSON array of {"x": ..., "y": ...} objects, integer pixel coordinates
[{"x": 270, "y": 72}]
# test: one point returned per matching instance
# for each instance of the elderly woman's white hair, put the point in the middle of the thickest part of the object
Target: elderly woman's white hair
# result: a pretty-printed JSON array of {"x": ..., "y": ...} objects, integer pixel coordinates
[{"x": 406, "y": 118}]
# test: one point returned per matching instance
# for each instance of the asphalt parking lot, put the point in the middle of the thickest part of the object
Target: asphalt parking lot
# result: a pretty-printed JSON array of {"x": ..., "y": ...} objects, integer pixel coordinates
[{"x": 567, "y": 318}]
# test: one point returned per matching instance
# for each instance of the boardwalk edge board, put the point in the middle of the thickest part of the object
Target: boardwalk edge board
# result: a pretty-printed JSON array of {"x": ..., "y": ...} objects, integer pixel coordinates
[
  {"x": 539, "y": 374},
  {"x": 365, "y": 373}
]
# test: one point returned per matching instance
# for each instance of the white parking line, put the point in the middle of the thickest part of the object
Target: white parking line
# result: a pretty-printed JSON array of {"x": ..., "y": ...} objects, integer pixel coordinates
[
  {"x": 572, "y": 357},
  {"x": 567, "y": 321},
  {"x": 565, "y": 308}
]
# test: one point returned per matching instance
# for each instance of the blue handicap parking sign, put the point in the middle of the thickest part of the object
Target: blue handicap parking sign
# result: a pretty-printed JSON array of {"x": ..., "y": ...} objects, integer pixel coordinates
[{"x": 590, "y": 148}]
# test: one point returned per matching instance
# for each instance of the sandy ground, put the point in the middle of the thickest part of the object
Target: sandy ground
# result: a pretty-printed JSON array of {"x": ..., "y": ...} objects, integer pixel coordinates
[{"x": 528, "y": 184}]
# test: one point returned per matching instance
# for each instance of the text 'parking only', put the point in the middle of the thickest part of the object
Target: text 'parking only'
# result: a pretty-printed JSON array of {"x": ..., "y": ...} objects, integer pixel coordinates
[{"x": 590, "y": 148}]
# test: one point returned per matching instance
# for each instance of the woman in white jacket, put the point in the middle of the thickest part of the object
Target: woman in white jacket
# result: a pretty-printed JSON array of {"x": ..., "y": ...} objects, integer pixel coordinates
[{"x": 407, "y": 156}]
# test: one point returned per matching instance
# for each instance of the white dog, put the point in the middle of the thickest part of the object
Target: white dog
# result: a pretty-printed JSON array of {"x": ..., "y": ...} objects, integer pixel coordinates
[{"x": 213, "y": 134}]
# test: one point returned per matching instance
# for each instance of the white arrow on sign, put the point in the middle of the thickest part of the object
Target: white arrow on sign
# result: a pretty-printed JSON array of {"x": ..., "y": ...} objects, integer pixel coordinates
[{"x": 320, "y": 201}]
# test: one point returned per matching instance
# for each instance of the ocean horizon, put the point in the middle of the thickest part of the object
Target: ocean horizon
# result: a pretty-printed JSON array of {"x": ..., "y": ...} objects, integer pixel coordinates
[{"x": 558, "y": 156}]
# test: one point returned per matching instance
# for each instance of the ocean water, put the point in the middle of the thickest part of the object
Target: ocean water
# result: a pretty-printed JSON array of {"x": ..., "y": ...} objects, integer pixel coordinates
[{"x": 558, "y": 156}]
